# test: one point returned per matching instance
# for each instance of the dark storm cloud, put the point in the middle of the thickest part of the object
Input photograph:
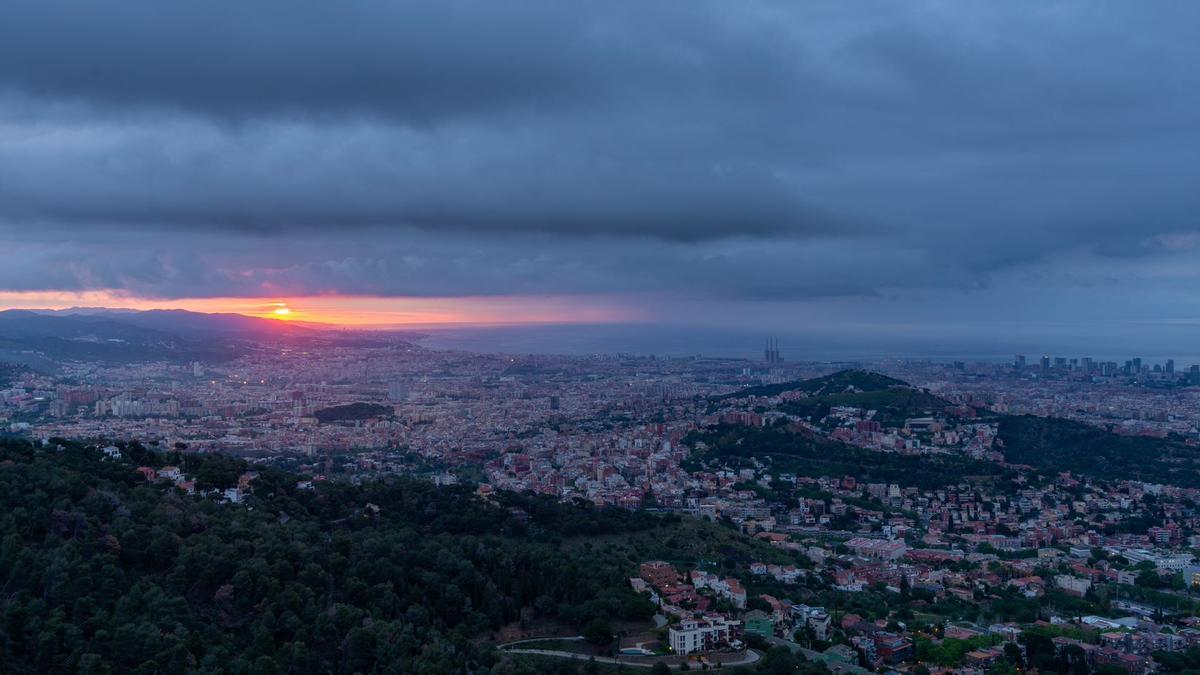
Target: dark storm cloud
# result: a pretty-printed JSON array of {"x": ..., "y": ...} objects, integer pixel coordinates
[
  {"x": 290, "y": 177},
  {"x": 233, "y": 59},
  {"x": 536, "y": 116},
  {"x": 725, "y": 150},
  {"x": 412, "y": 62}
]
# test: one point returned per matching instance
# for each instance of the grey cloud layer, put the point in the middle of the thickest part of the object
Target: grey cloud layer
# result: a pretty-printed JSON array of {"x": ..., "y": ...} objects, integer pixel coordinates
[
  {"x": 757, "y": 150},
  {"x": 286, "y": 176}
]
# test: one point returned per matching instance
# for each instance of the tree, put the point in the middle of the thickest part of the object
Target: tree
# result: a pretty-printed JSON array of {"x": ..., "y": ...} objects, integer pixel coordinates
[
  {"x": 1003, "y": 668},
  {"x": 755, "y": 602},
  {"x": 779, "y": 661},
  {"x": 598, "y": 631},
  {"x": 1012, "y": 654}
]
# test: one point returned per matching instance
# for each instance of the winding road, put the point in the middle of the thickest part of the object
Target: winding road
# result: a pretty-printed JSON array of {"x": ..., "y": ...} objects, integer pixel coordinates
[{"x": 748, "y": 657}]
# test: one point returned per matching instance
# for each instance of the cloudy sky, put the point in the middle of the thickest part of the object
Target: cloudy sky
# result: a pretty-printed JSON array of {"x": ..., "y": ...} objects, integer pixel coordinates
[{"x": 923, "y": 166}]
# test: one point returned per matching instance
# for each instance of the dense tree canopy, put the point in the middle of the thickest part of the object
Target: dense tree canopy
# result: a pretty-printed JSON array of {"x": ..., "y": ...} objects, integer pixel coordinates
[
  {"x": 1052, "y": 445},
  {"x": 104, "y": 572},
  {"x": 810, "y": 455}
]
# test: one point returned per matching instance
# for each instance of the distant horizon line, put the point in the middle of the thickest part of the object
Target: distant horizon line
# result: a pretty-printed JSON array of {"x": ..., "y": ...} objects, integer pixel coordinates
[
  {"x": 83, "y": 309},
  {"x": 811, "y": 344}
]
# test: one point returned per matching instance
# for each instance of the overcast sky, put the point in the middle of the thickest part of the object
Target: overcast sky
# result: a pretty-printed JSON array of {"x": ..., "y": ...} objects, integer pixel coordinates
[{"x": 791, "y": 163}]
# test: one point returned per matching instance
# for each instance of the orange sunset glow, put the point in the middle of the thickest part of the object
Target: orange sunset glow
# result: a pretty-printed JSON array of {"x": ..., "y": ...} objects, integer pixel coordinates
[{"x": 356, "y": 311}]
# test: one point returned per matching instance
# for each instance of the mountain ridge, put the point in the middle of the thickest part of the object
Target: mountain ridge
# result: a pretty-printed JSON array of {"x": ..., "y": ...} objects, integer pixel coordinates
[{"x": 122, "y": 337}]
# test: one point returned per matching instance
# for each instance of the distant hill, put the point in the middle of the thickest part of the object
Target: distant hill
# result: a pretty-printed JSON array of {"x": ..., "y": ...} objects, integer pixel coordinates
[
  {"x": 840, "y": 382},
  {"x": 179, "y": 321},
  {"x": 815, "y": 456},
  {"x": 1049, "y": 444},
  {"x": 352, "y": 412},
  {"x": 123, "y": 336},
  {"x": 893, "y": 400},
  {"x": 1055, "y": 445},
  {"x": 25, "y": 335}
]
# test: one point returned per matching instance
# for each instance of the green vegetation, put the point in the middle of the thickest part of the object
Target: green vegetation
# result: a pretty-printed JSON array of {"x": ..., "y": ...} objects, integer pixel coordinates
[
  {"x": 892, "y": 406},
  {"x": 103, "y": 572},
  {"x": 893, "y": 400},
  {"x": 689, "y": 543},
  {"x": 1178, "y": 662},
  {"x": 352, "y": 412},
  {"x": 1048, "y": 444},
  {"x": 1041, "y": 652},
  {"x": 840, "y": 382},
  {"x": 1055, "y": 445},
  {"x": 782, "y": 660},
  {"x": 537, "y": 665},
  {"x": 950, "y": 652},
  {"x": 809, "y": 455}
]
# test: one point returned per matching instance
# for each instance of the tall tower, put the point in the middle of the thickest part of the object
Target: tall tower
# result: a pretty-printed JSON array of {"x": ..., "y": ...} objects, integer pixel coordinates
[{"x": 771, "y": 351}]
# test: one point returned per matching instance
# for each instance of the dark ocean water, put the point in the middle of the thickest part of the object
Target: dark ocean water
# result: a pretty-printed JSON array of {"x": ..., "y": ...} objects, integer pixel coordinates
[{"x": 737, "y": 342}]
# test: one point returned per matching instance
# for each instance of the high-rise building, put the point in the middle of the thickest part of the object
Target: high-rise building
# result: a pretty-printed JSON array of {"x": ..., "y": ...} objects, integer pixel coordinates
[
  {"x": 1045, "y": 363},
  {"x": 1019, "y": 362},
  {"x": 771, "y": 353},
  {"x": 1170, "y": 367}
]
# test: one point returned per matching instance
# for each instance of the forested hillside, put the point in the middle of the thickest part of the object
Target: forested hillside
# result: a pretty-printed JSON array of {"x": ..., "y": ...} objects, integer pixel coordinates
[
  {"x": 841, "y": 382},
  {"x": 892, "y": 400},
  {"x": 1054, "y": 445},
  {"x": 104, "y": 572},
  {"x": 810, "y": 455},
  {"x": 352, "y": 412}
]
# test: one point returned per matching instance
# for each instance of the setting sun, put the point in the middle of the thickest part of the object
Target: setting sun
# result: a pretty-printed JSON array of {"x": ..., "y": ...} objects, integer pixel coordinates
[{"x": 357, "y": 311}]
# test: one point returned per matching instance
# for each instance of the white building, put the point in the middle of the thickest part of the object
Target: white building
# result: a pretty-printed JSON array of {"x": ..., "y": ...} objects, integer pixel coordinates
[
  {"x": 815, "y": 618},
  {"x": 698, "y": 635},
  {"x": 1072, "y": 584},
  {"x": 1174, "y": 562}
]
